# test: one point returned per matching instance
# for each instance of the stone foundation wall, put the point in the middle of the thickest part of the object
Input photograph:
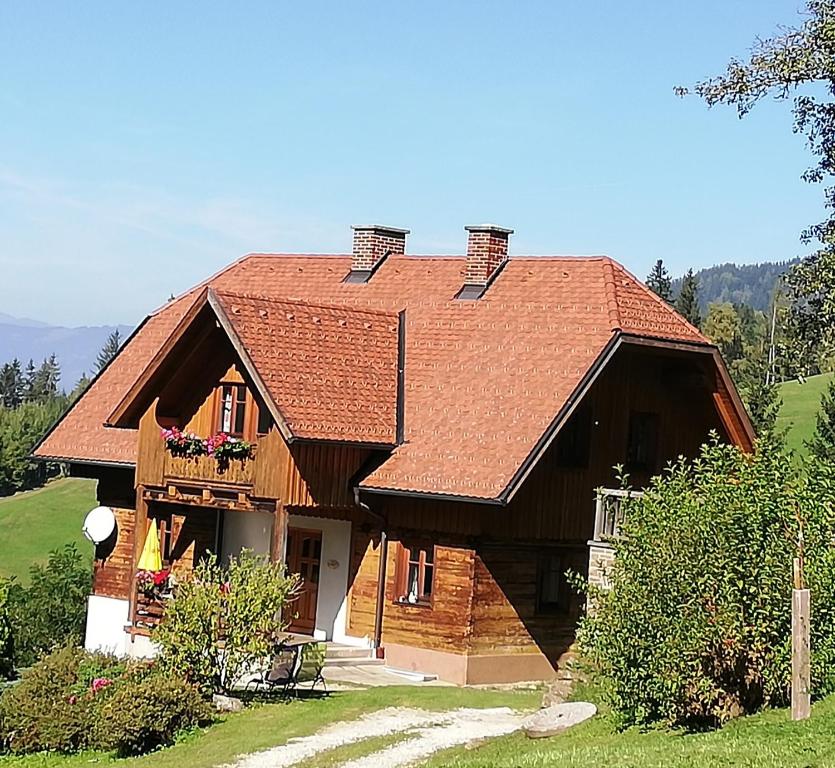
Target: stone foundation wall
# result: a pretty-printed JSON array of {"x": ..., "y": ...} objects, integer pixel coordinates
[{"x": 601, "y": 557}]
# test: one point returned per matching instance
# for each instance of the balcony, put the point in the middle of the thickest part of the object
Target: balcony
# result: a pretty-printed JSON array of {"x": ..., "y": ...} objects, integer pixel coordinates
[
  {"x": 609, "y": 512},
  {"x": 207, "y": 470}
]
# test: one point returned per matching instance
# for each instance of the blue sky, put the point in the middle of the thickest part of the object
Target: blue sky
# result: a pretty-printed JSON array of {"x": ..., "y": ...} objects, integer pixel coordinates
[{"x": 143, "y": 146}]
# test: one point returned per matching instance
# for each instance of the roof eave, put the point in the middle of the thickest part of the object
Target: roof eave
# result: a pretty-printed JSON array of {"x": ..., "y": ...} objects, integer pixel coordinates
[
  {"x": 563, "y": 415},
  {"x": 34, "y": 452},
  {"x": 433, "y": 495}
]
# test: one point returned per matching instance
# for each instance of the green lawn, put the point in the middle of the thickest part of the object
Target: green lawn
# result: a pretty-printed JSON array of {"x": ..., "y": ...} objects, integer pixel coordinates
[
  {"x": 800, "y": 406},
  {"x": 269, "y": 725},
  {"x": 36, "y": 522},
  {"x": 768, "y": 740}
]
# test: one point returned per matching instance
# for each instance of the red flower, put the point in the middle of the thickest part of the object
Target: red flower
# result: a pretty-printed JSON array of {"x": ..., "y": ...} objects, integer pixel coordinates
[
  {"x": 99, "y": 683},
  {"x": 160, "y": 578}
]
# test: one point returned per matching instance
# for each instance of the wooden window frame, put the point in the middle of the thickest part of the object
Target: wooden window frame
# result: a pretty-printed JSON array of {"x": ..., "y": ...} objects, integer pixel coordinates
[
  {"x": 235, "y": 386},
  {"x": 403, "y": 563},
  {"x": 649, "y": 425},
  {"x": 563, "y": 605},
  {"x": 252, "y": 411}
]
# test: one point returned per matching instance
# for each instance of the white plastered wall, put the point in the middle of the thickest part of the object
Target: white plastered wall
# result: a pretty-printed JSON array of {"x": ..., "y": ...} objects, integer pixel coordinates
[
  {"x": 332, "y": 605},
  {"x": 246, "y": 530},
  {"x": 107, "y": 618}
]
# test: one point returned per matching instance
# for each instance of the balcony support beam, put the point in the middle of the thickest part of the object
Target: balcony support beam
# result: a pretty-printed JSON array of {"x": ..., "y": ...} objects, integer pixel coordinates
[
  {"x": 278, "y": 549},
  {"x": 209, "y": 498}
]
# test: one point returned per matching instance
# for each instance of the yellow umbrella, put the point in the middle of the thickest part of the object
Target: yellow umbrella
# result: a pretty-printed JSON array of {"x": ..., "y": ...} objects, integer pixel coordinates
[{"x": 151, "y": 559}]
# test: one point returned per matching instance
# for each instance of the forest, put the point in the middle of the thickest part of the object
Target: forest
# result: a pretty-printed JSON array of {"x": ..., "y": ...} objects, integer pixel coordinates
[{"x": 31, "y": 401}]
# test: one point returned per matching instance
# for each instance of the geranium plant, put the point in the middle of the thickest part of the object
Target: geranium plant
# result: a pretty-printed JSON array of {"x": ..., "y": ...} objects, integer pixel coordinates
[
  {"x": 224, "y": 447},
  {"x": 221, "y": 446},
  {"x": 153, "y": 583},
  {"x": 183, "y": 443}
]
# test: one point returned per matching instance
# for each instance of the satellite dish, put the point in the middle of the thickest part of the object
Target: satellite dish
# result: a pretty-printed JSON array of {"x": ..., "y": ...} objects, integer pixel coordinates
[{"x": 99, "y": 524}]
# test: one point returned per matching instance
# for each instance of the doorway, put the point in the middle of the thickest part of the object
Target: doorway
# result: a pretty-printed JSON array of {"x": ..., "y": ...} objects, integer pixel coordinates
[{"x": 304, "y": 556}]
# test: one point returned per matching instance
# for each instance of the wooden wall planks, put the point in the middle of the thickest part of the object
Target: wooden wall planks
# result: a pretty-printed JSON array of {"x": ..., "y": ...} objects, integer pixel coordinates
[
  {"x": 113, "y": 568},
  {"x": 444, "y": 626}
]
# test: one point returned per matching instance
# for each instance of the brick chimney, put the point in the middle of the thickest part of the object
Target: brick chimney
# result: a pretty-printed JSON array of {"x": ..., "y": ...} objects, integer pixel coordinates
[
  {"x": 372, "y": 243},
  {"x": 486, "y": 252}
]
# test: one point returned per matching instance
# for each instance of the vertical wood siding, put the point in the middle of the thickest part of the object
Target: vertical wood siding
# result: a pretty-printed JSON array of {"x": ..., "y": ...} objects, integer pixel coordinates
[{"x": 445, "y": 626}]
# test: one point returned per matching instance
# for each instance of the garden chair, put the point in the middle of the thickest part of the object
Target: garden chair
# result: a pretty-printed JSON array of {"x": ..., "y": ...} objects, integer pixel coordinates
[
  {"x": 313, "y": 663},
  {"x": 283, "y": 671}
]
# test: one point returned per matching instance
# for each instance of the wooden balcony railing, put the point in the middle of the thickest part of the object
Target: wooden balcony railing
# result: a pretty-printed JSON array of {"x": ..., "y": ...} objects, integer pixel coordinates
[
  {"x": 609, "y": 511},
  {"x": 205, "y": 469}
]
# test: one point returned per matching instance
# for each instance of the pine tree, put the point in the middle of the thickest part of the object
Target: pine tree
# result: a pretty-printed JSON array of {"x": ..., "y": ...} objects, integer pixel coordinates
[
  {"x": 45, "y": 381},
  {"x": 11, "y": 384},
  {"x": 109, "y": 350},
  {"x": 687, "y": 302},
  {"x": 659, "y": 281},
  {"x": 822, "y": 443},
  {"x": 29, "y": 381},
  {"x": 79, "y": 388}
]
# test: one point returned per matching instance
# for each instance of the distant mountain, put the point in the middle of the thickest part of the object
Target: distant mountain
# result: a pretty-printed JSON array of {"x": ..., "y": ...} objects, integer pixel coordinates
[
  {"x": 76, "y": 348},
  {"x": 738, "y": 283},
  {"x": 10, "y": 320}
]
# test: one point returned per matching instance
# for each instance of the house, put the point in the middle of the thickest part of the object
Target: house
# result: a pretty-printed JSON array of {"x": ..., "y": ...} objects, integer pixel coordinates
[{"x": 429, "y": 433}]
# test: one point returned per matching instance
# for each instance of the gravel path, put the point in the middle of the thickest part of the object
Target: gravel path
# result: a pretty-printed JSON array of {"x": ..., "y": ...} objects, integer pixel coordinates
[{"x": 429, "y": 732}]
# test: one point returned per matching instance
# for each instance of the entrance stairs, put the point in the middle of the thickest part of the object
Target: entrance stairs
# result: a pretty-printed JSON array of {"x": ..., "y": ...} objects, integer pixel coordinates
[{"x": 338, "y": 655}]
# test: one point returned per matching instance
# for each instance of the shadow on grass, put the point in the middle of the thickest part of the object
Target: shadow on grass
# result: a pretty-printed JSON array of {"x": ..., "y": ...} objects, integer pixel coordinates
[{"x": 278, "y": 695}]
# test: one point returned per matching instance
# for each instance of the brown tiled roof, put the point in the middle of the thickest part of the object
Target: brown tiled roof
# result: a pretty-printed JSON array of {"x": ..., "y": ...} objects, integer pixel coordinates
[
  {"x": 483, "y": 379},
  {"x": 330, "y": 371}
]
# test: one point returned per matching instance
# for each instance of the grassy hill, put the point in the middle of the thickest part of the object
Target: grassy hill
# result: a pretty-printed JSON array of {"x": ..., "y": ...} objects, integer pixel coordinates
[
  {"x": 800, "y": 406},
  {"x": 36, "y": 522}
]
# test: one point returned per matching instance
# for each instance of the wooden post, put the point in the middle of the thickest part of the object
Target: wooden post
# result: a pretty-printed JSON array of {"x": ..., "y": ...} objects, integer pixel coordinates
[
  {"x": 598, "y": 516},
  {"x": 279, "y": 542},
  {"x": 801, "y": 673}
]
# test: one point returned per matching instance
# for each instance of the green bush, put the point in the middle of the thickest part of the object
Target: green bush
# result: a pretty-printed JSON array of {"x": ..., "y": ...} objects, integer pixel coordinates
[
  {"x": 50, "y": 612},
  {"x": 313, "y": 661},
  {"x": 73, "y": 700},
  {"x": 43, "y": 711},
  {"x": 696, "y": 628},
  {"x": 223, "y": 620},
  {"x": 147, "y": 711}
]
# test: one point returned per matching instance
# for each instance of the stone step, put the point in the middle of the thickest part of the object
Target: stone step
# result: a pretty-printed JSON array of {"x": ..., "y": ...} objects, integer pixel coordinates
[
  {"x": 366, "y": 661},
  {"x": 415, "y": 677},
  {"x": 346, "y": 652}
]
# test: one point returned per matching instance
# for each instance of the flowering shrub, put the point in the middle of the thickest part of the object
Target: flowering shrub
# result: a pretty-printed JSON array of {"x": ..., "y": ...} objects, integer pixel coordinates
[
  {"x": 148, "y": 711},
  {"x": 152, "y": 583},
  {"x": 99, "y": 683},
  {"x": 224, "y": 619},
  {"x": 54, "y": 705},
  {"x": 73, "y": 700},
  {"x": 222, "y": 447}
]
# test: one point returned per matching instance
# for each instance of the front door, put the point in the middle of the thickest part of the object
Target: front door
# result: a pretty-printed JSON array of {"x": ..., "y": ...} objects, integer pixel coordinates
[{"x": 304, "y": 553}]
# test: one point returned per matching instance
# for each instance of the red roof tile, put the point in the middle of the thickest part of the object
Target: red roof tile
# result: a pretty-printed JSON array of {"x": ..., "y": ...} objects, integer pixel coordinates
[
  {"x": 331, "y": 371},
  {"x": 483, "y": 379}
]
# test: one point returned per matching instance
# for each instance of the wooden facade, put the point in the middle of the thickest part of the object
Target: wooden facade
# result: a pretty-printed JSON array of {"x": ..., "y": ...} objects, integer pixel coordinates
[{"x": 486, "y": 599}]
